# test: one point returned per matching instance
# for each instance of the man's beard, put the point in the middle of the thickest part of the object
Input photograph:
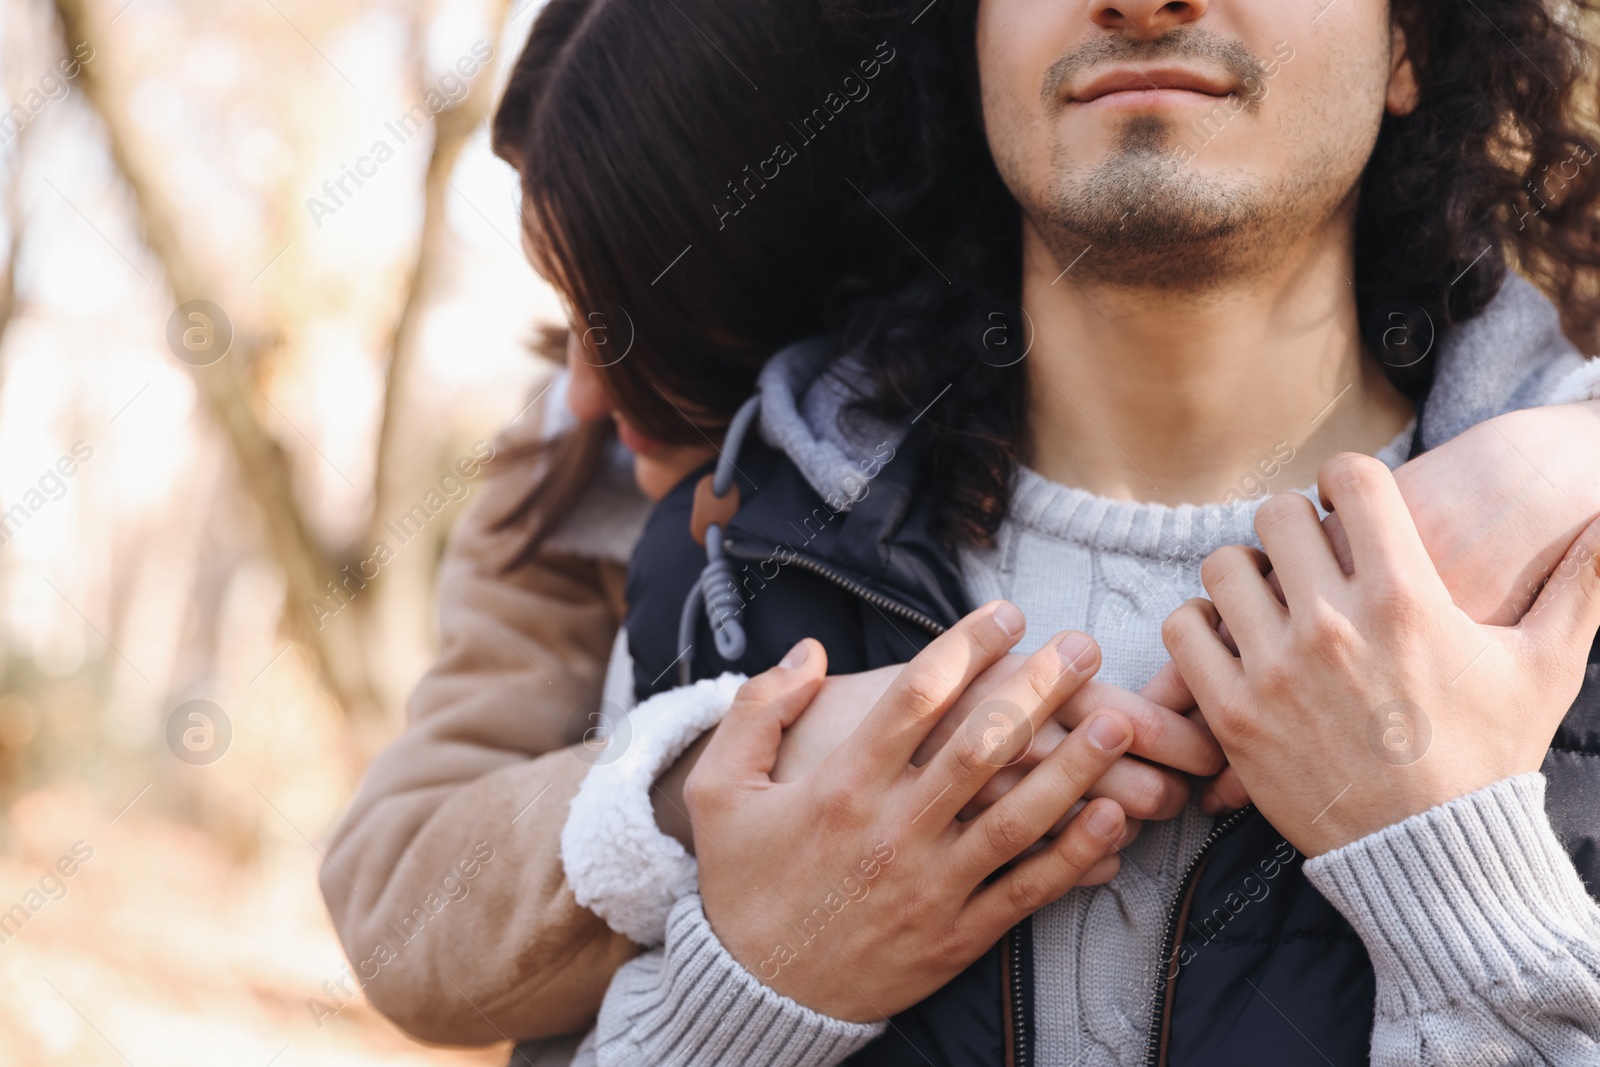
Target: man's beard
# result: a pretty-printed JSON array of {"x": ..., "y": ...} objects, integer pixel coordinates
[{"x": 1147, "y": 219}]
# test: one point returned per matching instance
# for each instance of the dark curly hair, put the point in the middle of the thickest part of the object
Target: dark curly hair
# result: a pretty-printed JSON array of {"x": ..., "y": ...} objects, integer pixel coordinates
[{"x": 1489, "y": 173}]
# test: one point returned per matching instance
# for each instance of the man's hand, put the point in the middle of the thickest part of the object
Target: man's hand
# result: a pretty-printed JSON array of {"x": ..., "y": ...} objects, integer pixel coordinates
[
  {"x": 1175, "y": 746},
  {"x": 1496, "y": 507},
  {"x": 856, "y": 890},
  {"x": 1372, "y": 696}
]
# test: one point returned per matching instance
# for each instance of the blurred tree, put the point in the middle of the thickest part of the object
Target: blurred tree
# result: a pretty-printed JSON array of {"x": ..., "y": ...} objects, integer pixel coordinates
[
  {"x": 396, "y": 623},
  {"x": 351, "y": 660}
]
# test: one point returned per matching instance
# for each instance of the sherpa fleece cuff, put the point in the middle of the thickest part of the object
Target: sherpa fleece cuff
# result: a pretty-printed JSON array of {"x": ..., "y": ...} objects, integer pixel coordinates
[
  {"x": 618, "y": 862},
  {"x": 1582, "y": 384}
]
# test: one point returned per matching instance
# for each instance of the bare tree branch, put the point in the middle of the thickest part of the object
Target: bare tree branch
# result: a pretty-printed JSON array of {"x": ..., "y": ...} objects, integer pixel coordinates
[
  {"x": 8, "y": 270},
  {"x": 224, "y": 387},
  {"x": 453, "y": 127},
  {"x": 15, "y": 224}
]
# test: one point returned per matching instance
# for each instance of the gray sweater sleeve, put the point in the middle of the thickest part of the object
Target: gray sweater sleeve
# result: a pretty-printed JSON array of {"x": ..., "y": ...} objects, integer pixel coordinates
[
  {"x": 690, "y": 1004},
  {"x": 1485, "y": 944}
]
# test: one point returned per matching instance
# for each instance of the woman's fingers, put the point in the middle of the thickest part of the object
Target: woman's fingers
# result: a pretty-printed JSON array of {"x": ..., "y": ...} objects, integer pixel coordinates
[
  {"x": 1160, "y": 734},
  {"x": 1143, "y": 790},
  {"x": 745, "y": 746},
  {"x": 1026, "y": 813},
  {"x": 1561, "y": 623},
  {"x": 930, "y": 684},
  {"x": 1001, "y": 730},
  {"x": 1168, "y": 689},
  {"x": 1224, "y": 793},
  {"x": 1036, "y": 881}
]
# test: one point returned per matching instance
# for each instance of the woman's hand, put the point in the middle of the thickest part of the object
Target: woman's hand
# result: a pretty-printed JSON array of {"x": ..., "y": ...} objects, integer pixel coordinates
[
  {"x": 1373, "y": 697},
  {"x": 856, "y": 890},
  {"x": 840, "y": 706},
  {"x": 1498, "y": 506}
]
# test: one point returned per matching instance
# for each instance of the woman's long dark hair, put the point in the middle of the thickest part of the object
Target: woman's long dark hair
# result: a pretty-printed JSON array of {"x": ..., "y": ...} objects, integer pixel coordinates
[
  {"x": 1500, "y": 155},
  {"x": 687, "y": 185}
]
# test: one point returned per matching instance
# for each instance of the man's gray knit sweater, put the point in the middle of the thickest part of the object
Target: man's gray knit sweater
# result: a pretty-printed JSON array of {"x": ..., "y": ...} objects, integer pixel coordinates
[{"x": 1485, "y": 944}]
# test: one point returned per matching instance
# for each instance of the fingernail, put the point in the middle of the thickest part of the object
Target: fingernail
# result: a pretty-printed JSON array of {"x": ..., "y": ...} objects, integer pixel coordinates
[
  {"x": 1009, "y": 618},
  {"x": 1106, "y": 733},
  {"x": 795, "y": 656},
  {"x": 1075, "y": 650},
  {"x": 1104, "y": 822}
]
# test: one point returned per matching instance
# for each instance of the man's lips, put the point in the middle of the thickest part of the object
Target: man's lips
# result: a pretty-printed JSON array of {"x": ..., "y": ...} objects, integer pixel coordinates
[{"x": 1118, "y": 80}]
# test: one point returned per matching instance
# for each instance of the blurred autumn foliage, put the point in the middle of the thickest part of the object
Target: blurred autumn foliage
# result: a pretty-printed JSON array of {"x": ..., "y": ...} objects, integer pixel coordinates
[{"x": 184, "y": 500}]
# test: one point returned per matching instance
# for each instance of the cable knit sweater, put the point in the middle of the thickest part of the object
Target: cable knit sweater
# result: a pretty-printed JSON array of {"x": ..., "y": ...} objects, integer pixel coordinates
[{"x": 1485, "y": 945}]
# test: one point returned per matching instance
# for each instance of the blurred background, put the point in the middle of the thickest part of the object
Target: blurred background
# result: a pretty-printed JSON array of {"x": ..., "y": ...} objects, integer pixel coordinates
[{"x": 261, "y": 289}]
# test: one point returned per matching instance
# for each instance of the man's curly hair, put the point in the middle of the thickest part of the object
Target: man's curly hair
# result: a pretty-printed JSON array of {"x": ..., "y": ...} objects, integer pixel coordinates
[{"x": 1494, "y": 170}]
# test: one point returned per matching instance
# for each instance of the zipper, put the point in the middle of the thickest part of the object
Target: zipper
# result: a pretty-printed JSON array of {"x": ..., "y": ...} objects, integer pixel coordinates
[
  {"x": 927, "y": 622},
  {"x": 1019, "y": 994},
  {"x": 1014, "y": 978},
  {"x": 1169, "y": 943}
]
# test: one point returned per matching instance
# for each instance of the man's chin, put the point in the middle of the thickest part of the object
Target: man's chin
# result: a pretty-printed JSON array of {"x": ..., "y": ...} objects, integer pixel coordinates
[{"x": 1151, "y": 230}]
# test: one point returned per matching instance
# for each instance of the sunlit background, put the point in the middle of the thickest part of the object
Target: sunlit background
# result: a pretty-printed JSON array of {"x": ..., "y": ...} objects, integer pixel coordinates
[{"x": 171, "y": 519}]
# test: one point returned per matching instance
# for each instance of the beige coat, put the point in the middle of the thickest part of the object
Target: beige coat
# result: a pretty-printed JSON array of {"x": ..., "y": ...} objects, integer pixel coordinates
[{"x": 453, "y": 946}]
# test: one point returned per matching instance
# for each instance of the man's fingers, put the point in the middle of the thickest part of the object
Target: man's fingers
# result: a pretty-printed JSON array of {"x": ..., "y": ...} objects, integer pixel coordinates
[
  {"x": 1303, "y": 560},
  {"x": 930, "y": 684},
  {"x": 1160, "y": 735},
  {"x": 1050, "y": 734},
  {"x": 1045, "y": 877},
  {"x": 1026, "y": 813},
  {"x": 1001, "y": 730},
  {"x": 1213, "y": 673},
  {"x": 1384, "y": 543},
  {"x": 746, "y": 744},
  {"x": 977, "y": 692},
  {"x": 1102, "y": 872},
  {"x": 1235, "y": 578},
  {"x": 1564, "y": 618},
  {"x": 1333, "y": 529}
]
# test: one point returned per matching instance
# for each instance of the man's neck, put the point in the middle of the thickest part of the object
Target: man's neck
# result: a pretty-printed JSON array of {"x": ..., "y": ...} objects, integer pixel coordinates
[{"x": 1183, "y": 397}]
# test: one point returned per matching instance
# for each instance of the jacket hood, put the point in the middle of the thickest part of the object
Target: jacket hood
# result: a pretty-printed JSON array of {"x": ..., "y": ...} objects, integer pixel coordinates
[{"x": 1511, "y": 356}]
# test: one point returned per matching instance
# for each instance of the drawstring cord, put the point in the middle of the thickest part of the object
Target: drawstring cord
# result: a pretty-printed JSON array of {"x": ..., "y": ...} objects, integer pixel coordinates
[{"x": 716, "y": 592}]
